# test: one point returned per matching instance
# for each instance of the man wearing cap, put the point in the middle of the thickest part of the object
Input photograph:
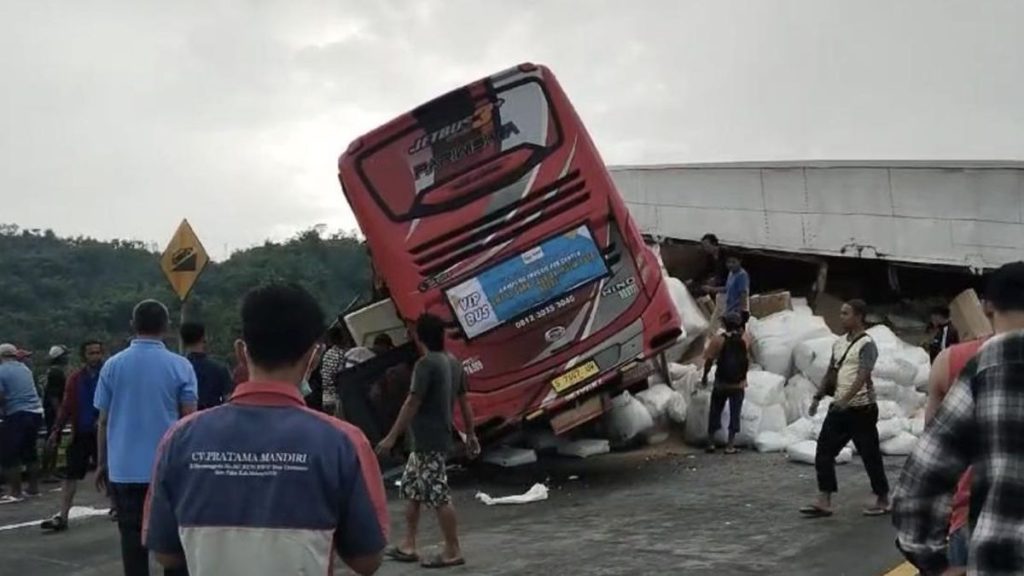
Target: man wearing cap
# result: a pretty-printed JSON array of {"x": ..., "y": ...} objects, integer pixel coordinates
[
  {"x": 77, "y": 410},
  {"x": 53, "y": 392},
  {"x": 22, "y": 413}
]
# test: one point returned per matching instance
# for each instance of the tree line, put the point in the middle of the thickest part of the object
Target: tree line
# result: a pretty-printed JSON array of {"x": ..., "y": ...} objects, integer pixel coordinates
[{"x": 56, "y": 290}]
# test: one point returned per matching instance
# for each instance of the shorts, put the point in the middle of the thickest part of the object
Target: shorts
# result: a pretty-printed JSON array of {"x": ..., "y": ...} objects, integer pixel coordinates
[
  {"x": 425, "y": 479},
  {"x": 81, "y": 450},
  {"x": 19, "y": 436}
]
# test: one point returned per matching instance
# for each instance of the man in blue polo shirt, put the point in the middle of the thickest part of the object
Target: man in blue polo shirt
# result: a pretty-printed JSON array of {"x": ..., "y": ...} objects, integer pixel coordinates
[
  {"x": 263, "y": 485},
  {"x": 141, "y": 392}
]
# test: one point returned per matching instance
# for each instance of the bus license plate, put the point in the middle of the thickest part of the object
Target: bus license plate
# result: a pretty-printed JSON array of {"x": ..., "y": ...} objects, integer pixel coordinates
[{"x": 574, "y": 376}]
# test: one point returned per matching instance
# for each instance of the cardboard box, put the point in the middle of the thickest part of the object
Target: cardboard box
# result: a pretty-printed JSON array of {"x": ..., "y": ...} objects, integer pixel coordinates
[
  {"x": 969, "y": 316},
  {"x": 828, "y": 306},
  {"x": 762, "y": 305}
]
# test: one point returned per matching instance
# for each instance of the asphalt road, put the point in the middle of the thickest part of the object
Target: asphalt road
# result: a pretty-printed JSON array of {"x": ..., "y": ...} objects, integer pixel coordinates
[{"x": 658, "y": 511}]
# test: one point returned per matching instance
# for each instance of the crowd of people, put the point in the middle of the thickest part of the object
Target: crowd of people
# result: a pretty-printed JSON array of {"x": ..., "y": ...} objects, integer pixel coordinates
[
  {"x": 219, "y": 473},
  {"x": 215, "y": 474}
]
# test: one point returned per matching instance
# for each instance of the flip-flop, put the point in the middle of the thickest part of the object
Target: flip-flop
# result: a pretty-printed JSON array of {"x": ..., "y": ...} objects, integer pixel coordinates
[
  {"x": 876, "y": 511},
  {"x": 438, "y": 561},
  {"x": 10, "y": 500},
  {"x": 732, "y": 450},
  {"x": 815, "y": 512},
  {"x": 398, "y": 555}
]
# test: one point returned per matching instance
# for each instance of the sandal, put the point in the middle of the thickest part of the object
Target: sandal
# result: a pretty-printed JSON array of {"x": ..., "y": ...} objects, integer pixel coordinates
[
  {"x": 438, "y": 561},
  {"x": 398, "y": 555},
  {"x": 877, "y": 511},
  {"x": 55, "y": 524},
  {"x": 814, "y": 511},
  {"x": 732, "y": 450}
]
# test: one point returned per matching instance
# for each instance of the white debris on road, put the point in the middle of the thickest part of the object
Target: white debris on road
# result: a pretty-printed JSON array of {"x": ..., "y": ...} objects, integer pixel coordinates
[{"x": 536, "y": 493}]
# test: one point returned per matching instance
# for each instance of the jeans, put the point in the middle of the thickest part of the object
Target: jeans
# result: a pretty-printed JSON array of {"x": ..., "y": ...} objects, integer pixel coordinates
[
  {"x": 959, "y": 541},
  {"x": 130, "y": 500},
  {"x": 860, "y": 425},
  {"x": 718, "y": 399}
]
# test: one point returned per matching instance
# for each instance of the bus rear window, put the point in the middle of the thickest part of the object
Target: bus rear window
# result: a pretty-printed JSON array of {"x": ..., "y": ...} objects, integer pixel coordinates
[{"x": 453, "y": 136}]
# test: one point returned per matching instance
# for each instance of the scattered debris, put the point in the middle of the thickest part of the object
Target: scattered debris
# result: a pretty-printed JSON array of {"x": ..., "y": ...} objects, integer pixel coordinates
[
  {"x": 509, "y": 457},
  {"x": 536, "y": 493}
]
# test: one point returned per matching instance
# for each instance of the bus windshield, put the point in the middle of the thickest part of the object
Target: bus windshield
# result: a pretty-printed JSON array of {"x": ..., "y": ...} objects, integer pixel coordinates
[{"x": 455, "y": 135}]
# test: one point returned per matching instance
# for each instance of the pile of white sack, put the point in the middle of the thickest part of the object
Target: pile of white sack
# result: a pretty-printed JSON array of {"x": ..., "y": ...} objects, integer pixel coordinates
[{"x": 798, "y": 346}]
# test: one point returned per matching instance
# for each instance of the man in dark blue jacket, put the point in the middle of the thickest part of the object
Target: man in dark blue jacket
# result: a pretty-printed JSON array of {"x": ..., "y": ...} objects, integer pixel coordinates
[{"x": 214, "y": 378}]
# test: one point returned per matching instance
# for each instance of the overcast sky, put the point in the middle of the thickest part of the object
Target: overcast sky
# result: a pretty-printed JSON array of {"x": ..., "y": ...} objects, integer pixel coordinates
[{"x": 118, "y": 118}]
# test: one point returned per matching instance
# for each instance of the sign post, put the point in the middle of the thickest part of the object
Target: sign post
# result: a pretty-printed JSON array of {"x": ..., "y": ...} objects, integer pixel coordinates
[{"x": 183, "y": 261}]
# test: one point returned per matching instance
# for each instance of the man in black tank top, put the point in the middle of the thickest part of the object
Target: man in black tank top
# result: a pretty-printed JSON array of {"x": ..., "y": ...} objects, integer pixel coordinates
[{"x": 729, "y": 351}]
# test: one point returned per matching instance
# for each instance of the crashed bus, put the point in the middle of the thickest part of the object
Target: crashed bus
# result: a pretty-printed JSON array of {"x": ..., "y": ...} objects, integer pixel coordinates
[{"x": 491, "y": 208}]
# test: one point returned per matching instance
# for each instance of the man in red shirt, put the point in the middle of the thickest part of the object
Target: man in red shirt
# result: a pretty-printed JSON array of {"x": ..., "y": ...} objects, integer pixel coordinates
[{"x": 945, "y": 370}]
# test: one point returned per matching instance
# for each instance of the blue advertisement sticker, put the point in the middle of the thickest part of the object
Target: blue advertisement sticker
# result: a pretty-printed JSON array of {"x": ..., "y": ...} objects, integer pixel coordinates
[{"x": 521, "y": 283}]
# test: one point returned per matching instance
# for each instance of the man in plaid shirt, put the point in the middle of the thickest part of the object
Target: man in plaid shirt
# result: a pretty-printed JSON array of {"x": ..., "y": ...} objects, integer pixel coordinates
[{"x": 980, "y": 424}]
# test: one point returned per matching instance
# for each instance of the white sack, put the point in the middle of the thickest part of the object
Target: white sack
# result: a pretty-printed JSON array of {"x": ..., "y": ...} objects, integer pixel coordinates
[
  {"x": 751, "y": 416},
  {"x": 677, "y": 371},
  {"x": 689, "y": 380},
  {"x": 627, "y": 419},
  {"x": 677, "y": 408},
  {"x": 773, "y": 419},
  {"x": 917, "y": 425},
  {"x": 585, "y": 447},
  {"x": 765, "y": 388},
  {"x": 812, "y": 357},
  {"x": 695, "y": 324},
  {"x": 888, "y": 409},
  {"x": 885, "y": 339},
  {"x": 772, "y": 442},
  {"x": 697, "y": 417},
  {"x": 799, "y": 393},
  {"x": 656, "y": 399},
  {"x": 921, "y": 379},
  {"x": 802, "y": 429},
  {"x": 893, "y": 367},
  {"x": 803, "y": 452},
  {"x": 911, "y": 401},
  {"x": 891, "y": 428},
  {"x": 777, "y": 335},
  {"x": 901, "y": 445},
  {"x": 886, "y": 389}
]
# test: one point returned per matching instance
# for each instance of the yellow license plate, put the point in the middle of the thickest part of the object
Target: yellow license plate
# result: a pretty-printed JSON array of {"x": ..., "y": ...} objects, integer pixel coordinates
[{"x": 575, "y": 376}]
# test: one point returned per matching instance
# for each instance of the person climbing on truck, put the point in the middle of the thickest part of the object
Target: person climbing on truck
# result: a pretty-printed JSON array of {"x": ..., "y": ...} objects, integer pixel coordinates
[{"x": 729, "y": 351}]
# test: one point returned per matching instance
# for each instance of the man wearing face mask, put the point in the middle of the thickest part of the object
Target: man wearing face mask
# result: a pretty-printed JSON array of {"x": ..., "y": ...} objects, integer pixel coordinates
[{"x": 263, "y": 484}]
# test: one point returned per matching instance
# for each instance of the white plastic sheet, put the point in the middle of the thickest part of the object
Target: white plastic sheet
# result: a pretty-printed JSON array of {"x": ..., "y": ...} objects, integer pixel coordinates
[
  {"x": 536, "y": 493},
  {"x": 697, "y": 417}
]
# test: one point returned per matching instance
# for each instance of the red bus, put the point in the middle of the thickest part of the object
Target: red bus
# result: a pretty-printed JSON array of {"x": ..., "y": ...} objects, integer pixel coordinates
[{"x": 490, "y": 207}]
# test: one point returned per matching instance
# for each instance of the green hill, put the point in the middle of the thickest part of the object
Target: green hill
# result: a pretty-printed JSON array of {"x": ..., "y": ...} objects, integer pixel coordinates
[{"x": 64, "y": 290}]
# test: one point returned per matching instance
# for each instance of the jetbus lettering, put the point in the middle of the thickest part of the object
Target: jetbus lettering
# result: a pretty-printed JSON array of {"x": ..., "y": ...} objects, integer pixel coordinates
[
  {"x": 464, "y": 150},
  {"x": 480, "y": 119}
]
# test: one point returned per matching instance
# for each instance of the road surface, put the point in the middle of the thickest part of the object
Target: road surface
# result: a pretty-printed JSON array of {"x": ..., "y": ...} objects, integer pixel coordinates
[{"x": 661, "y": 510}]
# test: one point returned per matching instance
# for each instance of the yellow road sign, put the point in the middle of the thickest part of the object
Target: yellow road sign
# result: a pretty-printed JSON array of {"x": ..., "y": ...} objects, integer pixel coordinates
[{"x": 184, "y": 260}]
